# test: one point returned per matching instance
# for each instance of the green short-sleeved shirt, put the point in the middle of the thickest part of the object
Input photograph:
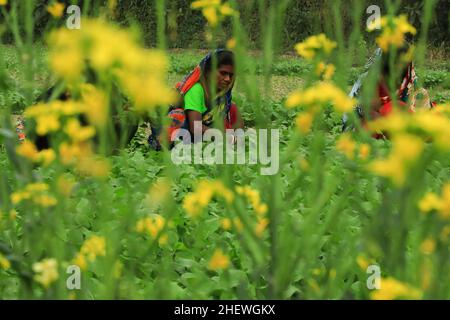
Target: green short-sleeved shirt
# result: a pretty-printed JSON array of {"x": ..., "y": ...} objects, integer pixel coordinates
[{"x": 194, "y": 99}]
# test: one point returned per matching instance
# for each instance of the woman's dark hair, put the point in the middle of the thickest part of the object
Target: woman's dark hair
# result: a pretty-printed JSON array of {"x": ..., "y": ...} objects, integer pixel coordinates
[{"x": 222, "y": 56}]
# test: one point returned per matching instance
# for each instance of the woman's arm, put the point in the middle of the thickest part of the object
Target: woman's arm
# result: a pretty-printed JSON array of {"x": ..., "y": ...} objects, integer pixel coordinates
[{"x": 192, "y": 117}]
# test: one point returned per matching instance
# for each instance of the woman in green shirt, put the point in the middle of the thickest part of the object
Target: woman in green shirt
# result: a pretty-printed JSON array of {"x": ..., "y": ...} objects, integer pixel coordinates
[{"x": 196, "y": 102}]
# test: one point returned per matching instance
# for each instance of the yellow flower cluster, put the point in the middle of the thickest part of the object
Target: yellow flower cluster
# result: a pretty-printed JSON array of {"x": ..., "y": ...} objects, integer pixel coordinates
[
  {"x": 37, "y": 193},
  {"x": 219, "y": 261},
  {"x": 95, "y": 103},
  {"x": 82, "y": 156},
  {"x": 313, "y": 45},
  {"x": 433, "y": 124},
  {"x": 260, "y": 208},
  {"x": 227, "y": 223},
  {"x": 107, "y": 49},
  {"x": 405, "y": 151},
  {"x": 50, "y": 117},
  {"x": 28, "y": 150},
  {"x": 431, "y": 202},
  {"x": 213, "y": 10},
  {"x": 408, "y": 131},
  {"x": 3, "y": 2},
  {"x": 346, "y": 145},
  {"x": 325, "y": 70},
  {"x": 195, "y": 202},
  {"x": 77, "y": 132},
  {"x": 392, "y": 289},
  {"x": 70, "y": 152},
  {"x": 47, "y": 115},
  {"x": 304, "y": 122},
  {"x": 4, "y": 263},
  {"x": 254, "y": 198},
  {"x": 153, "y": 226},
  {"x": 56, "y": 9},
  {"x": 319, "y": 94},
  {"x": 393, "y": 33},
  {"x": 364, "y": 262},
  {"x": 46, "y": 272},
  {"x": 92, "y": 248}
]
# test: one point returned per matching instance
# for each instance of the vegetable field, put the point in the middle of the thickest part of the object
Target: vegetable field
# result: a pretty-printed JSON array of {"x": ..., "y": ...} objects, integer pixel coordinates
[{"x": 346, "y": 216}]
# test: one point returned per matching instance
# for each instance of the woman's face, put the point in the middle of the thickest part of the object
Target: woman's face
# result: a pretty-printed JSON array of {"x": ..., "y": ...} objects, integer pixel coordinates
[{"x": 225, "y": 76}]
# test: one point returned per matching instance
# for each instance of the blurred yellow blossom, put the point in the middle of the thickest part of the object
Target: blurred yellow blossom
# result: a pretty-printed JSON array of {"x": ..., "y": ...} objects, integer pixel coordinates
[
  {"x": 304, "y": 122},
  {"x": 303, "y": 164},
  {"x": 254, "y": 198},
  {"x": 231, "y": 43},
  {"x": 238, "y": 224},
  {"x": 195, "y": 202},
  {"x": 47, "y": 156},
  {"x": 139, "y": 72},
  {"x": 69, "y": 153},
  {"x": 393, "y": 33},
  {"x": 364, "y": 151},
  {"x": 95, "y": 104},
  {"x": 28, "y": 150},
  {"x": 3, "y": 2},
  {"x": 392, "y": 289},
  {"x": 93, "y": 247},
  {"x": 441, "y": 204},
  {"x": 67, "y": 64},
  {"x": 4, "y": 263},
  {"x": 214, "y": 10},
  {"x": 405, "y": 151},
  {"x": 261, "y": 226},
  {"x": 151, "y": 225},
  {"x": 77, "y": 132},
  {"x": 362, "y": 262},
  {"x": 80, "y": 261},
  {"x": 346, "y": 145},
  {"x": 46, "y": 272},
  {"x": 430, "y": 202},
  {"x": 65, "y": 185},
  {"x": 322, "y": 93},
  {"x": 325, "y": 70},
  {"x": 56, "y": 9},
  {"x": 12, "y": 214},
  {"x": 433, "y": 124},
  {"x": 309, "y": 48},
  {"x": 159, "y": 192},
  {"x": 219, "y": 261},
  {"x": 45, "y": 200},
  {"x": 47, "y": 123},
  {"x": 37, "y": 193},
  {"x": 226, "y": 224},
  {"x": 94, "y": 166}
]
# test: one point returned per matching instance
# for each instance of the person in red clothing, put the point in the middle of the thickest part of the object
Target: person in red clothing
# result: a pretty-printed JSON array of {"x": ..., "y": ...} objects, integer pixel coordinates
[{"x": 404, "y": 79}]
